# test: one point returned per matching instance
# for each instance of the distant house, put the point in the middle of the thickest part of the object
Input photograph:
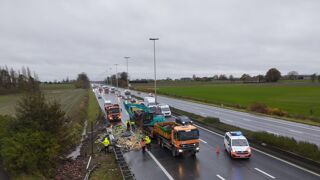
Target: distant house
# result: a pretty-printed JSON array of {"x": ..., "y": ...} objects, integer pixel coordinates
[
  {"x": 186, "y": 79},
  {"x": 304, "y": 77}
]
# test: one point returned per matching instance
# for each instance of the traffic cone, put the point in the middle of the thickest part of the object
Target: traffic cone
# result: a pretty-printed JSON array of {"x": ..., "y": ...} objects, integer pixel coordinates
[{"x": 218, "y": 149}]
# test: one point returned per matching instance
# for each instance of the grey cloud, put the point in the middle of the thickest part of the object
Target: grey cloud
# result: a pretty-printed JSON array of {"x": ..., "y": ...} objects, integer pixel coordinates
[{"x": 62, "y": 38}]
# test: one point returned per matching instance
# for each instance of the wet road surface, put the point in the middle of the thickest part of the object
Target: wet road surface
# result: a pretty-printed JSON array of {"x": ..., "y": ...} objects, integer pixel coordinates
[
  {"x": 208, "y": 164},
  {"x": 301, "y": 132}
]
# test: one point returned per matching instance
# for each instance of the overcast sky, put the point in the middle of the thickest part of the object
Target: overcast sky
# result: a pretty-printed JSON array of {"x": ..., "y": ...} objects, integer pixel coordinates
[{"x": 60, "y": 38}]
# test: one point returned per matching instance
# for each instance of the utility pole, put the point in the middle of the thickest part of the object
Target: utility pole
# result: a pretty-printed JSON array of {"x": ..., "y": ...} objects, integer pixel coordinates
[
  {"x": 127, "y": 59},
  {"x": 155, "y": 69},
  {"x": 116, "y": 76}
]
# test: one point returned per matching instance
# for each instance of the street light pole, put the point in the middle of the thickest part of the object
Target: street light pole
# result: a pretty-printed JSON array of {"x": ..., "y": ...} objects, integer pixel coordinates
[
  {"x": 116, "y": 75},
  {"x": 127, "y": 58},
  {"x": 155, "y": 69}
]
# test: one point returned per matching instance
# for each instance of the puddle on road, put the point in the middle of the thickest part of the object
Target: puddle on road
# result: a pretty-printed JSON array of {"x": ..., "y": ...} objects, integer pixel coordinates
[{"x": 74, "y": 154}]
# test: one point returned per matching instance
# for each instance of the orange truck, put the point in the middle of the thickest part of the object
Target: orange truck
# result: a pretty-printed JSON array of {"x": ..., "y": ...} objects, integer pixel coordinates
[
  {"x": 177, "y": 138},
  {"x": 113, "y": 112}
]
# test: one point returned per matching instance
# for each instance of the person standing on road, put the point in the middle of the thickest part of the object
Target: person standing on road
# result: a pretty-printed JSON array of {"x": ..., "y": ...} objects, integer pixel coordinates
[
  {"x": 106, "y": 144},
  {"x": 143, "y": 145},
  {"x": 148, "y": 142}
]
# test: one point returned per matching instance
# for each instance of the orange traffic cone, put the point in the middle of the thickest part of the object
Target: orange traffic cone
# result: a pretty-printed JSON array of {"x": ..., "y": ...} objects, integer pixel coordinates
[{"x": 218, "y": 149}]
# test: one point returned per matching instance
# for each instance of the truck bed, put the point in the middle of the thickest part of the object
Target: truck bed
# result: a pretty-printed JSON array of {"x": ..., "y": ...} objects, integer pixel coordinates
[{"x": 164, "y": 129}]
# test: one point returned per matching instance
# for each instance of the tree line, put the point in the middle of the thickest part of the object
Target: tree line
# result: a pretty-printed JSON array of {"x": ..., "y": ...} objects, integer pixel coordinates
[
  {"x": 12, "y": 81},
  {"x": 272, "y": 75},
  {"x": 122, "y": 79}
]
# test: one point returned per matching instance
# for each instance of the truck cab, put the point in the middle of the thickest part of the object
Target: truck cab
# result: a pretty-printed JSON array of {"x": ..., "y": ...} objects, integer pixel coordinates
[
  {"x": 177, "y": 138},
  {"x": 113, "y": 113},
  {"x": 185, "y": 139}
]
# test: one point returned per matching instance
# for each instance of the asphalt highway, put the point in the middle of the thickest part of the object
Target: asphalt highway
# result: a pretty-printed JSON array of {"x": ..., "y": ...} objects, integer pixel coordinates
[
  {"x": 159, "y": 163},
  {"x": 244, "y": 120}
]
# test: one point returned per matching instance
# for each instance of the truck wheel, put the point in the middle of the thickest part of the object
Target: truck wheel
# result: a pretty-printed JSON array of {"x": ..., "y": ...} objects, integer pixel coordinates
[{"x": 174, "y": 152}]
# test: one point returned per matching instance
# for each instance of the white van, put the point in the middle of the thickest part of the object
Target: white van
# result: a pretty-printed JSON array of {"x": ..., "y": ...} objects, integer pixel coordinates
[
  {"x": 165, "y": 109},
  {"x": 149, "y": 101}
]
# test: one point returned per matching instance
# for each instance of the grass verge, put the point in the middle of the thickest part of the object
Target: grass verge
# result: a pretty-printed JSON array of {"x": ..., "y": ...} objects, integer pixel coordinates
[
  {"x": 107, "y": 168},
  {"x": 299, "y": 118}
]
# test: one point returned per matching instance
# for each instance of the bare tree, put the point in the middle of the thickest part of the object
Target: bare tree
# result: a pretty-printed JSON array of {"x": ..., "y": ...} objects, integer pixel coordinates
[{"x": 293, "y": 75}]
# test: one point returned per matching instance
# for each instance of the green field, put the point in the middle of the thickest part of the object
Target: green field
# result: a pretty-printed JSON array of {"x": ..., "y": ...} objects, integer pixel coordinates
[
  {"x": 66, "y": 95},
  {"x": 295, "y": 98}
]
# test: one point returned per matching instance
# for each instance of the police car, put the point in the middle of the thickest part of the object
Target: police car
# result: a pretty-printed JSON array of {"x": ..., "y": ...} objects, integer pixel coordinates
[{"x": 237, "y": 145}]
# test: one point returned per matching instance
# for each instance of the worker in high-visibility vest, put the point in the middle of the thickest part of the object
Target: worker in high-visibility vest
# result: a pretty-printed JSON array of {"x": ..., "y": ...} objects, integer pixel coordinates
[
  {"x": 143, "y": 145},
  {"x": 148, "y": 142},
  {"x": 106, "y": 144}
]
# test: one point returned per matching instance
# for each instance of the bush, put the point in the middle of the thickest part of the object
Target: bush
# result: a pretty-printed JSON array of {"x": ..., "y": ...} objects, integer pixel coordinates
[
  {"x": 29, "y": 152},
  {"x": 277, "y": 112},
  {"x": 33, "y": 139},
  {"x": 259, "y": 107}
]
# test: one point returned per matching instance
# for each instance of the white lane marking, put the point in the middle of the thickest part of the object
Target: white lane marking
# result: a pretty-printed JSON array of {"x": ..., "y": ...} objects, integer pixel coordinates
[
  {"x": 264, "y": 173},
  {"x": 88, "y": 163},
  {"x": 299, "y": 132},
  {"x": 161, "y": 167},
  {"x": 274, "y": 157},
  {"x": 203, "y": 141},
  {"x": 271, "y": 132},
  {"x": 220, "y": 177},
  {"x": 203, "y": 114},
  {"x": 228, "y": 120},
  {"x": 245, "y": 119}
]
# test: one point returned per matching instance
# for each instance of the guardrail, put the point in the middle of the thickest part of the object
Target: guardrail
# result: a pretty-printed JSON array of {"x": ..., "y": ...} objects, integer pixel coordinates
[{"x": 124, "y": 168}]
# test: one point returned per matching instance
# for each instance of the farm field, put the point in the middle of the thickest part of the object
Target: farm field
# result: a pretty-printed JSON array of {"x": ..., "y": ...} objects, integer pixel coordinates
[
  {"x": 295, "y": 98},
  {"x": 66, "y": 95}
]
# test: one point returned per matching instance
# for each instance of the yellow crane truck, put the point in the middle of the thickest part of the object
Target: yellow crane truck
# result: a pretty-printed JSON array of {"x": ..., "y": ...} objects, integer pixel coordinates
[{"x": 177, "y": 138}]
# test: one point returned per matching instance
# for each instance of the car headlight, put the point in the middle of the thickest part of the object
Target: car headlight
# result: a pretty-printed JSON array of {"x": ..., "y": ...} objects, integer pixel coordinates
[
  {"x": 249, "y": 150},
  {"x": 233, "y": 150},
  {"x": 197, "y": 148},
  {"x": 180, "y": 150}
]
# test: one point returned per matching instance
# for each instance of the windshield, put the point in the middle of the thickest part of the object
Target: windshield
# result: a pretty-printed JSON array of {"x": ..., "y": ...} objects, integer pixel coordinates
[
  {"x": 165, "y": 109},
  {"x": 115, "y": 110},
  {"x": 184, "y": 135},
  {"x": 239, "y": 142},
  {"x": 127, "y": 93}
]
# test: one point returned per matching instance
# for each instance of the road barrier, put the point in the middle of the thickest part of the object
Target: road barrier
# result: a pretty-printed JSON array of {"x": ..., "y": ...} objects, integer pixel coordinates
[{"x": 124, "y": 168}]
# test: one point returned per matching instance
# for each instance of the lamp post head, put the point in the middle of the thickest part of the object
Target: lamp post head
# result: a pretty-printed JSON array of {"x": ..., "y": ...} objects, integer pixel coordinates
[{"x": 153, "y": 39}]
